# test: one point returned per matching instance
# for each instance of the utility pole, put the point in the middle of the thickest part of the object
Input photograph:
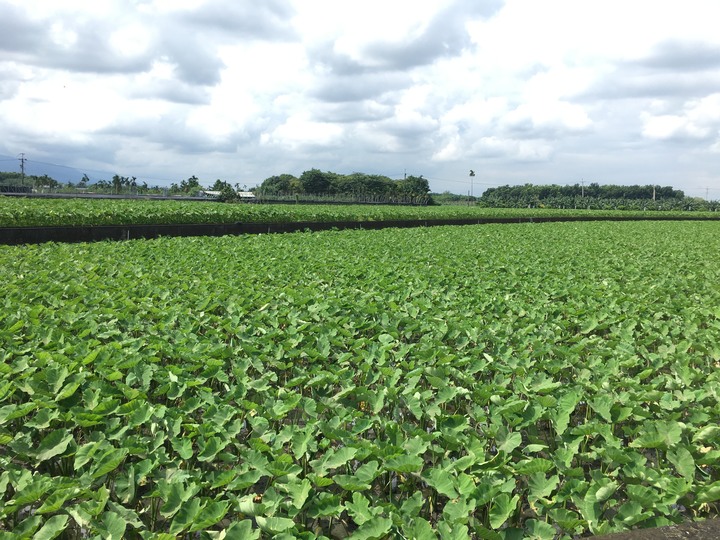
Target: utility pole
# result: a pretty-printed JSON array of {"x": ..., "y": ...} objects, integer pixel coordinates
[
  {"x": 582, "y": 189},
  {"x": 22, "y": 159},
  {"x": 472, "y": 175},
  {"x": 653, "y": 193}
]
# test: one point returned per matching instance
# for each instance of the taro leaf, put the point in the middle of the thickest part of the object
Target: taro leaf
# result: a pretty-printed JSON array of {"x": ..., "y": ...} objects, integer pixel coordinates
[
  {"x": 534, "y": 465},
  {"x": 33, "y": 491},
  {"x": 458, "y": 510},
  {"x": 567, "y": 519},
  {"x": 43, "y": 418},
  {"x": 53, "y": 444},
  {"x": 26, "y": 528},
  {"x": 108, "y": 462},
  {"x": 541, "y": 487},
  {"x": 213, "y": 513},
  {"x": 301, "y": 440},
  {"x": 299, "y": 491},
  {"x": 414, "y": 405},
  {"x": 539, "y": 530},
  {"x": 420, "y": 529},
  {"x": 86, "y": 452},
  {"x": 186, "y": 515},
  {"x": 350, "y": 482},
  {"x": 241, "y": 530},
  {"x": 565, "y": 407},
  {"x": 404, "y": 463},
  {"x": 603, "y": 489},
  {"x": 175, "y": 494},
  {"x": 441, "y": 481},
  {"x": 53, "y": 528},
  {"x": 658, "y": 435},
  {"x": 708, "y": 494},
  {"x": 487, "y": 534},
  {"x": 274, "y": 525},
  {"x": 56, "y": 500},
  {"x": 507, "y": 441},
  {"x": 324, "y": 505},
  {"x": 602, "y": 405},
  {"x": 707, "y": 434},
  {"x": 683, "y": 461},
  {"x": 451, "y": 426},
  {"x": 501, "y": 509},
  {"x": 359, "y": 509},
  {"x": 183, "y": 447},
  {"x": 210, "y": 448},
  {"x": 333, "y": 459},
  {"x": 412, "y": 506},
  {"x": 374, "y": 529},
  {"x": 112, "y": 526},
  {"x": 631, "y": 513},
  {"x": 125, "y": 485}
]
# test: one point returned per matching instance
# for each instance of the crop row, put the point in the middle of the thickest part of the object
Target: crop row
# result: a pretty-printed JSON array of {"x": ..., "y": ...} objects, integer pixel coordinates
[
  {"x": 541, "y": 381},
  {"x": 22, "y": 212}
]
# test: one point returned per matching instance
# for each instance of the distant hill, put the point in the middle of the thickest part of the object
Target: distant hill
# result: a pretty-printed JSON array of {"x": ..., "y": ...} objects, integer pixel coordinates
[{"x": 58, "y": 172}]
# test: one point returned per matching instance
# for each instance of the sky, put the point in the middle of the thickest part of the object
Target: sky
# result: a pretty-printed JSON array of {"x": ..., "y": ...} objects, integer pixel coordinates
[{"x": 552, "y": 91}]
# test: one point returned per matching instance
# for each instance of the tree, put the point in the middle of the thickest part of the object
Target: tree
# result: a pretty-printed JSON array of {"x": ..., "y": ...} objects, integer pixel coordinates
[
  {"x": 414, "y": 186},
  {"x": 315, "y": 181},
  {"x": 191, "y": 186},
  {"x": 219, "y": 185}
]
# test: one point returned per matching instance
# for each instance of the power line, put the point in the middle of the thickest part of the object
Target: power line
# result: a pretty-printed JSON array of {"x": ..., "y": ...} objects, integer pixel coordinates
[{"x": 22, "y": 168}]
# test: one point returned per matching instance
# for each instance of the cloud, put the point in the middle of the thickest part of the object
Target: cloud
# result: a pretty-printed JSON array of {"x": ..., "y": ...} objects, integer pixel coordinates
[
  {"x": 698, "y": 121},
  {"x": 270, "y": 19},
  {"x": 517, "y": 90}
]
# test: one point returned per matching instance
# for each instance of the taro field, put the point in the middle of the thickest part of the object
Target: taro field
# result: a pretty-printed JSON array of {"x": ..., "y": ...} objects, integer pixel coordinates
[{"x": 537, "y": 381}]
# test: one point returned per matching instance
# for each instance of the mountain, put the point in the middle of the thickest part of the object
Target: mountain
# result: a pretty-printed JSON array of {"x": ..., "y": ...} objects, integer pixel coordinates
[{"x": 60, "y": 173}]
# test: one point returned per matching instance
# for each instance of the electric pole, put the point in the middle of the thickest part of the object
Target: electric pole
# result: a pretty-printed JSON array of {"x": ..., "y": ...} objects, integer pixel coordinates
[
  {"x": 472, "y": 175},
  {"x": 22, "y": 159}
]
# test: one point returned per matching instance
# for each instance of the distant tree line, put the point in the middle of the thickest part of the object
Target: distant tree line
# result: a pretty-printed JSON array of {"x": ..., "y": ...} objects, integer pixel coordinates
[
  {"x": 594, "y": 197},
  {"x": 319, "y": 183},
  {"x": 530, "y": 193}
]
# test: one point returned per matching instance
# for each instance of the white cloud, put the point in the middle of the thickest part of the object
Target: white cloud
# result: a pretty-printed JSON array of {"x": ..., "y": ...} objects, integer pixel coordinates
[{"x": 517, "y": 89}]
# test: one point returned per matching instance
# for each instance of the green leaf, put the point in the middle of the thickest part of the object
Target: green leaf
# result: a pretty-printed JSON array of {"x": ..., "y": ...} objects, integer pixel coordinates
[
  {"x": 683, "y": 461},
  {"x": 420, "y": 529},
  {"x": 501, "y": 509},
  {"x": 53, "y": 444},
  {"x": 359, "y": 509},
  {"x": 185, "y": 516},
  {"x": 708, "y": 494},
  {"x": 108, "y": 462},
  {"x": 539, "y": 530},
  {"x": 441, "y": 481},
  {"x": 275, "y": 525},
  {"x": 658, "y": 435},
  {"x": 211, "y": 514},
  {"x": 404, "y": 463},
  {"x": 241, "y": 530},
  {"x": 541, "y": 487},
  {"x": 507, "y": 441},
  {"x": 53, "y": 528},
  {"x": 113, "y": 526},
  {"x": 375, "y": 528}
]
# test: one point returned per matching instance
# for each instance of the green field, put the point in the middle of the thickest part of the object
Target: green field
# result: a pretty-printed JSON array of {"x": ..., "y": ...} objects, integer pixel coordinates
[
  {"x": 498, "y": 381},
  {"x": 22, "y": 212}
]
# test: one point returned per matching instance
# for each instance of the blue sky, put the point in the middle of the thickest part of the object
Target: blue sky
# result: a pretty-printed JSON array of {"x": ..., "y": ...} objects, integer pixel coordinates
[{"x": 559, "y": 91}]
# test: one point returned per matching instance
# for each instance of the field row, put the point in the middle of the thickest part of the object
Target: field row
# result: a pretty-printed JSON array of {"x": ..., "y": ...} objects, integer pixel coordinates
[
  {"x": 540, "y": 381},
  {"x": 21, "y": 212}
]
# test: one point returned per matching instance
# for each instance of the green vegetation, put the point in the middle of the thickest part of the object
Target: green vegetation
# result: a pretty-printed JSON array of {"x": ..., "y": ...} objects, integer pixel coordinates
[
  {"x": 545, "y": 380},
  {"x": 593, "y": 197},
  {"x": 359, "y": 185},
  {"x": 23, "y": 212}
]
